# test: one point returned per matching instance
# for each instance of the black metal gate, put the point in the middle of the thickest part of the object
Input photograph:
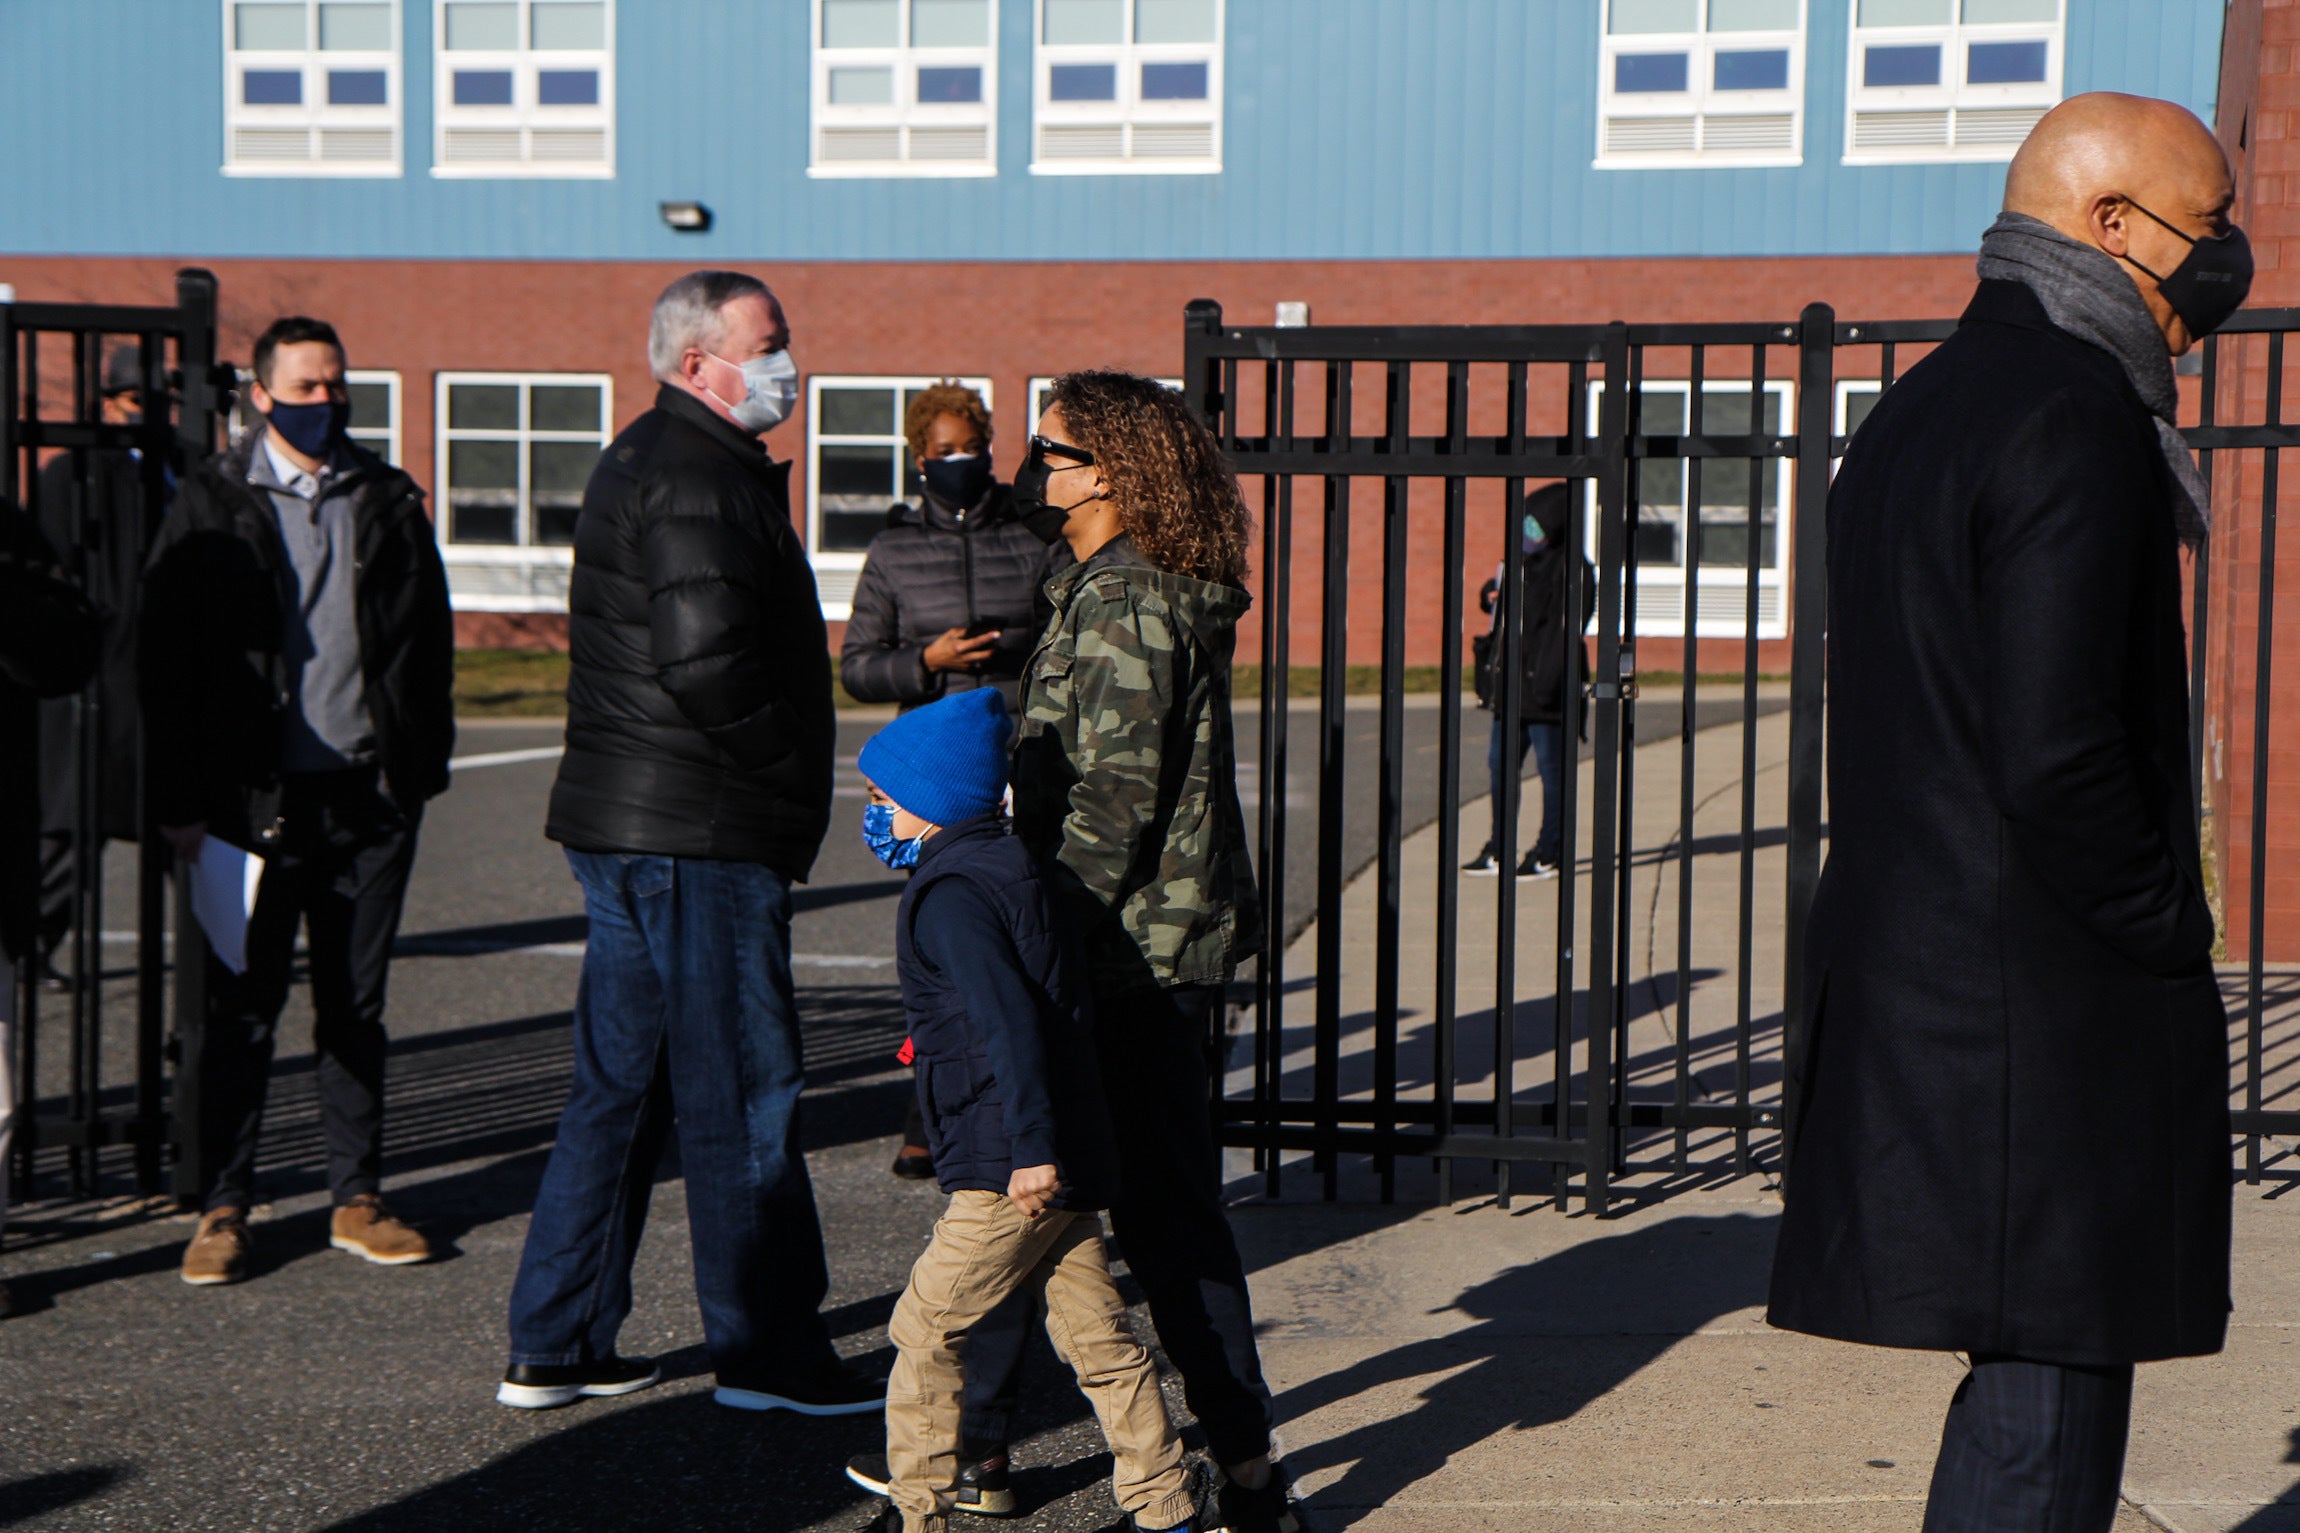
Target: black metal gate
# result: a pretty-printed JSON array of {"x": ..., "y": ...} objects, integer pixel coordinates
[
  {"x": 99, "y": 487},
  {"x": 1695, "y": 447}
]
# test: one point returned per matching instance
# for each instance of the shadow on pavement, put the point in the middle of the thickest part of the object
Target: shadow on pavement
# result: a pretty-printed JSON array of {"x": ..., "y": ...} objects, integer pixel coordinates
[
  {"x": 2281, "y": 1517},
  {"x": 1597, "y": 1313},
  {"x": 22, "y": 1500}
]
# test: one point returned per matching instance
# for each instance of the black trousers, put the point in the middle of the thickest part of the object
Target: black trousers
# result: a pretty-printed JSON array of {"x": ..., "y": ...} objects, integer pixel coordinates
[
  {"x": 340, "y": 873},
  {"x": 1170, "y": 1224},
  {"x": 2031, "y": 1447}
]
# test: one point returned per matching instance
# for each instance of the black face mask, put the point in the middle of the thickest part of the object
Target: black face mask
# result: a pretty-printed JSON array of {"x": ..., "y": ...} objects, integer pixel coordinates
[
  {"x": 957, "y": 481},
  {"x": 1044, "y": 521},
  {"x": 2211, "y": 283}
]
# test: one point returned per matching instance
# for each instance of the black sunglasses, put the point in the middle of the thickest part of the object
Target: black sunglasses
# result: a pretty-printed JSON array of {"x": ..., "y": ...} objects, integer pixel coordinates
[{"x": 1042, "y": 448}]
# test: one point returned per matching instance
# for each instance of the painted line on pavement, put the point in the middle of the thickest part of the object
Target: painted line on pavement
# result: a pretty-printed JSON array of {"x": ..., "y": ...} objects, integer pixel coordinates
[{"x": 507, "y": 758}]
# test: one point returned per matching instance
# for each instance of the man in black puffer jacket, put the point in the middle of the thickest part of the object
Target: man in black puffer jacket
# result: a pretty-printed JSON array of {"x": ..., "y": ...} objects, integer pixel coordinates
[
  {"x": 297, "y": 667},
  {"x": 695, "y": 791},
  {"x": 950, "y": 596}
]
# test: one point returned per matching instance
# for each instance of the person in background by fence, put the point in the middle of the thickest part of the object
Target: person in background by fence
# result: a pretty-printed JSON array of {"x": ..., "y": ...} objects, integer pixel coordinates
[
  {"x": 111, "y": 570},
  {"x": 2011, "y": 1138},
  {"x": 297, "y": 664},
  {"x": 1126, "y": 790},
  {"x": 1549, "y": 662},
  {"x": 695, "y": 791},
  {"x": 948, "y": 599},
  {"x": 48, "y": 647}
]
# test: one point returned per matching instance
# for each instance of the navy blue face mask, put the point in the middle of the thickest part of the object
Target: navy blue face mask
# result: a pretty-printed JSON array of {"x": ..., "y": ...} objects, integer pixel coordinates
[
  {"x": 312, "y": 429},
  {"x": 885, "y": 845},
  {"x": 958, "y": 480}
]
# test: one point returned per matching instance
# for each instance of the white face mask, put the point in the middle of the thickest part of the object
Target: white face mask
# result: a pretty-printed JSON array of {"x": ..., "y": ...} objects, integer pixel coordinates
[{"x": 770, "y": 388}]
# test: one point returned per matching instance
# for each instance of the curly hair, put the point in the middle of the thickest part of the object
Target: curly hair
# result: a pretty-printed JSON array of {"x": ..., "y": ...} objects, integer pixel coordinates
[
  {"x": 1175, "y": 492},
  {"x": 949, "y": 397}
]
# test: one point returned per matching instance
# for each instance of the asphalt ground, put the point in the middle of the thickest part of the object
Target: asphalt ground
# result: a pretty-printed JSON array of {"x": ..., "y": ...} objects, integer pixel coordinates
[{"x": 326, "y": 1393}]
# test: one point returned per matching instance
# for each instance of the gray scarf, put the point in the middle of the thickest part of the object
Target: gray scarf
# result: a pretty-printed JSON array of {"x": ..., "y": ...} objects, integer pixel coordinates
[{"x": 2087, "y": 294}]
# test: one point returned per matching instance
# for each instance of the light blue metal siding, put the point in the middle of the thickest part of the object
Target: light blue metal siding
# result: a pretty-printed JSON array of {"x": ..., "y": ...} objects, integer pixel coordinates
[{"x": 1353, "y": 129}]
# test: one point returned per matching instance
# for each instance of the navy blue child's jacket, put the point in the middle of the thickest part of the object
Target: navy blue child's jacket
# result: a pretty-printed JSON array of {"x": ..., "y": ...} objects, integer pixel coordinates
[{"x": 995, "y": 990}]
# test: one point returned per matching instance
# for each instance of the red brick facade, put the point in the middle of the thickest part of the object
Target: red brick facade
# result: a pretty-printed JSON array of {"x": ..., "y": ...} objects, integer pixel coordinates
[
  {"x": 2259, "y": 113},
  {"x": 1030, "y": 320}
]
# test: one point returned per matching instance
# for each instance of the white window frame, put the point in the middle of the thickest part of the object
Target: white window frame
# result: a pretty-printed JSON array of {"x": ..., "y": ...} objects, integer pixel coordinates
[
  {"x": 905, "y": 116},
  {"x": 1724, "y": 587},
  {"x": 1976, "y": 122},
  {"x": 247, "y": 127},
  {"x": 1128, "y": 112},
  {"x": 526, "y": 116},
  {"x": 1040, "y": 387},
  {"x": 1715, "y": 125},
  {"x": 539, "y": 571},
  {"x": 836, "y": 570}
]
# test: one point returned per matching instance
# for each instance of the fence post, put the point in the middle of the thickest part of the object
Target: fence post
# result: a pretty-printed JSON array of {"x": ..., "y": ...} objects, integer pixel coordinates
[
  {"x": 1606, "y": 736},
  {"x": 1201, "y": 373},
  {"x": 1808, "y": 681}
]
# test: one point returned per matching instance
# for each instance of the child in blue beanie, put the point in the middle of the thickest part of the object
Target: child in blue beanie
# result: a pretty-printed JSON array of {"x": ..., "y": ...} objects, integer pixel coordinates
[{"x": 995, "y": 995}]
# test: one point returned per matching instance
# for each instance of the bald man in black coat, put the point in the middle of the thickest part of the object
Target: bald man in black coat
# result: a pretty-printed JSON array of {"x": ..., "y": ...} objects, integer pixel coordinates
[{"x": 2012, "y": 1130}]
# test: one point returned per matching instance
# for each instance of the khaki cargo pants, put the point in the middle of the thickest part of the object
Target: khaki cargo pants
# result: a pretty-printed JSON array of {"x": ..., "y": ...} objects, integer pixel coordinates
[{"x": 983, "y": 1249}]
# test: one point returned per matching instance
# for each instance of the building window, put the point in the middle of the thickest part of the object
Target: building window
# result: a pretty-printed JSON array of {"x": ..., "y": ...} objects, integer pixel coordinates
[
  {"x": 525, "y": 88},
  {"x": 1701, "y": 82},
  {"x": 858, "y": 467},
  {"x": 515, "y": 451},
  {"x": 1128, "y": 86},
  {"x": 1949, "y": 79},
  {"x": 905, "y": 87},
  {"x": 311, "y": 88},
  {"x": 1665, "y": 537}
]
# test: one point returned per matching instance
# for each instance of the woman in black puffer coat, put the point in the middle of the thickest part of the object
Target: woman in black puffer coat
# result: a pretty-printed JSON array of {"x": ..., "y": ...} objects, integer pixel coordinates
[{"x": 949, "y": 596}]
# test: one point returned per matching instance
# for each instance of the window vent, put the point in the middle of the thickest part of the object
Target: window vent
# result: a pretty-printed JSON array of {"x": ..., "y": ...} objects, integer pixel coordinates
[
  {"x": 361, "y": 145},
  {"x": 270, "y": 145},
  {"x": 1900, "y": 130},
  {"x": 1649, "y": 135},
  {"x": 1080, "y": 141},
  {"x": 2001, "y": 126},
  {"x": 950, "y": 143},
  {"x": 1173, "y": 141},
  {"x": 1721, "y": 610},
  {"x": 848, "y": 145},
  {"x": 481, "y": 146},
  {"x": 836, "y": 588},
  {"x": 1773, "y": 131},
  {"x": 569, "y": 146}
]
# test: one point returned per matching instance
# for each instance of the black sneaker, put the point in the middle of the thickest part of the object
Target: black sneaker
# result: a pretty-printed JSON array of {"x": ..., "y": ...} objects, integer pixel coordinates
[
  {"x": 884, "y": 1518},
  {"x": 831, "y": 1390},
  {"x": 913, "y": 1165},
  {"x": 1272, "y": 1509},
  {"x": 1485, "y": 864},
  {"x": 543, "y": 1386},
  {"x": 983, "y": 1489},
  {"x": 1537, "y": 867}
]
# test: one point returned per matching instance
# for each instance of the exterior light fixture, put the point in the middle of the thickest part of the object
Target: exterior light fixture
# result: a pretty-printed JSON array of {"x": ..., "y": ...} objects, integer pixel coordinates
[
  {"x": 1293, "y": 316},
  {"x": 687, "y": 217}
]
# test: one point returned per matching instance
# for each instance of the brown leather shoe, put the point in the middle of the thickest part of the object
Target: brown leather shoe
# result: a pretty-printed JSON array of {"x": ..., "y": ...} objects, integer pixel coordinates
[
  {"x": 366, "y": 1228},
  {"x": 219, "y": 1249}
]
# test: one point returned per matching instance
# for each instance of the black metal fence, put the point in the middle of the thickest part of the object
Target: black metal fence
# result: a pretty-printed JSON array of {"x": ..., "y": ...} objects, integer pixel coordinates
[
  {"x": 1697, "y": 449},
  {"x": 99, "y": 487}
]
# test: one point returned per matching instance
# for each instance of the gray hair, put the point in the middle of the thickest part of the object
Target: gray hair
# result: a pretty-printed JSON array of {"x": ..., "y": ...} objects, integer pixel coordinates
[{"x": 688, "y": 315}]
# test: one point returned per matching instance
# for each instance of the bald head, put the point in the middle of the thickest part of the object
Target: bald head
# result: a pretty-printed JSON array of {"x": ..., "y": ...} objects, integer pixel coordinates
[{"x": 2099, "y": 165}]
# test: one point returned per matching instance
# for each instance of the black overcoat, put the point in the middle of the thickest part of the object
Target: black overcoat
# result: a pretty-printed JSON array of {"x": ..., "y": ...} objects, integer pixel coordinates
[{"x": 2013, "y": 1121}]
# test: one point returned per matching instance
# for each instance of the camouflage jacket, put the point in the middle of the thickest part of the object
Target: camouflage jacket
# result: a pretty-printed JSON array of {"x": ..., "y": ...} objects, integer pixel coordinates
[{"x": 1126, "y": 771}]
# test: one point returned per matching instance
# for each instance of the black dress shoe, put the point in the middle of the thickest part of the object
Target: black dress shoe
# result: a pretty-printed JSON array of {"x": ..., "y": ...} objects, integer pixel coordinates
[
  {"x": 913, "y": 1165},
  {"x": 983, "y": 1488},
  {"x": 833, "y": 1389},
  {"x": 1271, "y": 1509},
  {"x": 541, "y": 1386}
]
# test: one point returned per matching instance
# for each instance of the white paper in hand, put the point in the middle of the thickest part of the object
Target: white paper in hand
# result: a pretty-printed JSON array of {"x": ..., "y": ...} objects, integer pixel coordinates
[{"x": 224, "y": 880}]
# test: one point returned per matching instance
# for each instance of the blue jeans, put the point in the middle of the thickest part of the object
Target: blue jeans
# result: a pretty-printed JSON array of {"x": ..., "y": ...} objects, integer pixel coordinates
[
  {"x": 1548, "y": 744},
  {"x": 684, "y": 1015}
]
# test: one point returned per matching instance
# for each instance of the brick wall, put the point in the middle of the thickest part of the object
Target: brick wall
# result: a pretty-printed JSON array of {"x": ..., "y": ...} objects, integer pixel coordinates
[
  {"x": 1014, "y": 321},
  {"x": 2258, "y": 110}
]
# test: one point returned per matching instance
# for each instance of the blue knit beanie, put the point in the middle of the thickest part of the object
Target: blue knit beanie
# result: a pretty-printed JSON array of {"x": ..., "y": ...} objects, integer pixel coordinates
[{"x": 945, "y": 762}]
